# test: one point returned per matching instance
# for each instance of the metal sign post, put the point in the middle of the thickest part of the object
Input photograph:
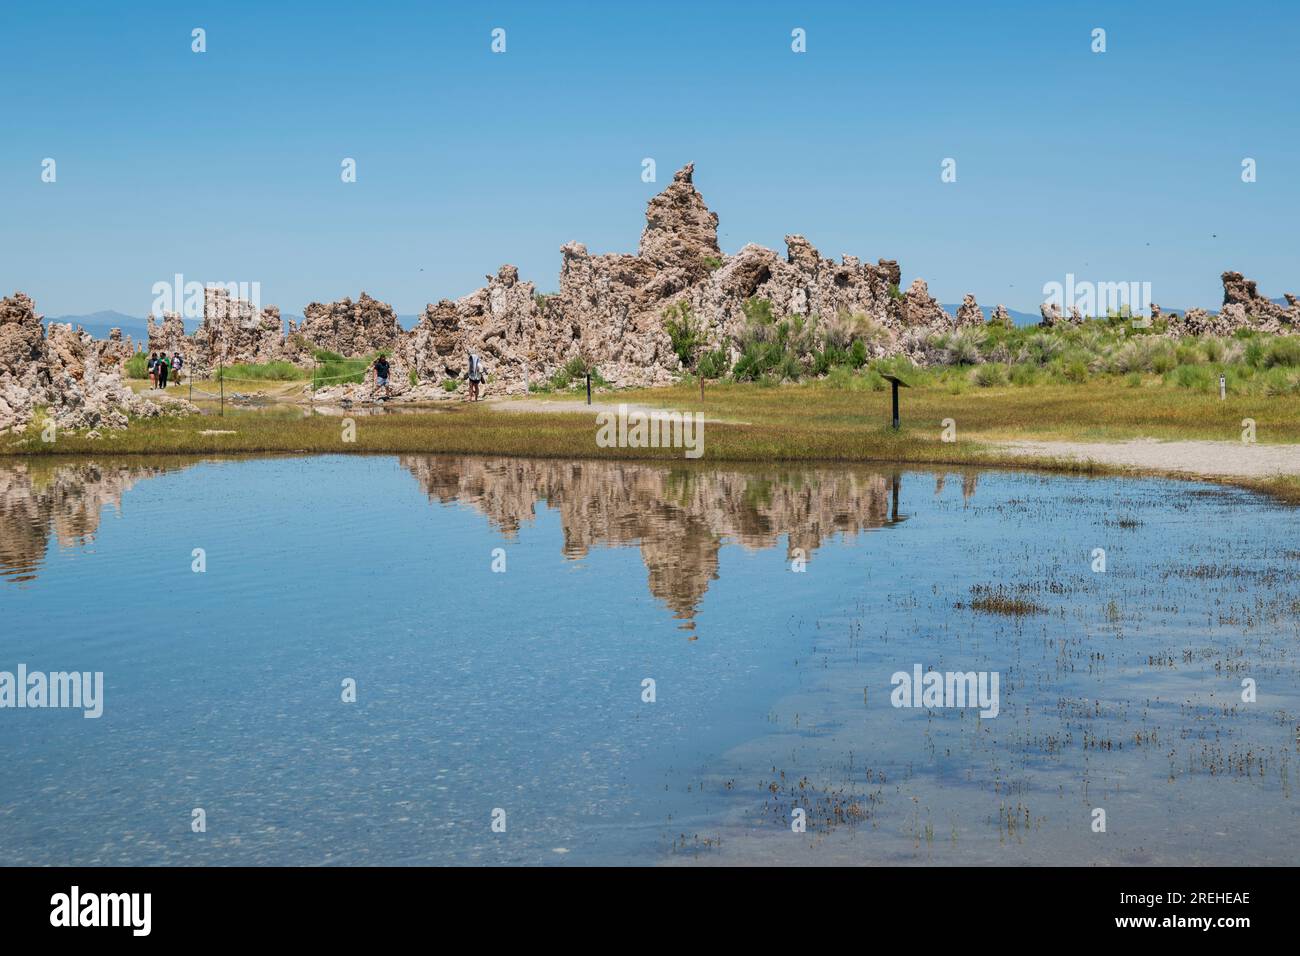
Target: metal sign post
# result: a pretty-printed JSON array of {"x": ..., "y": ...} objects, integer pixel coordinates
[{"x": 895, "y": 382}]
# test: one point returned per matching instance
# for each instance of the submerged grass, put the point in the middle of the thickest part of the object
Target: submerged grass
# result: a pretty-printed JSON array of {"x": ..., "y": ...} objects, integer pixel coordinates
[{"x": 998, "y": 600}]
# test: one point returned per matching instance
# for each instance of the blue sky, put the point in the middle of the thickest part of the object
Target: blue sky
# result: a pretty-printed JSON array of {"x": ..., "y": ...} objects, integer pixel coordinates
[{"x": 225, "y": 166}]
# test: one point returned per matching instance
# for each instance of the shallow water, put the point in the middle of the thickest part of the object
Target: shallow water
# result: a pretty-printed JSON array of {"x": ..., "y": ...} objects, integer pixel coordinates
[{"x": 522, "y": 689}]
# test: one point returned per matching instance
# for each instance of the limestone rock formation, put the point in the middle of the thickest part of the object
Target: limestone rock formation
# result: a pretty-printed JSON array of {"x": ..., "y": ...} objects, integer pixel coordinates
[
  {"x": 168, "y": 334},
  {"x": 610, "y": 308},
  {"x": 347, "y": 328},
  {"x": 62, "y": 371},
  {"x": 680, "y": 231},
  {"x": 921, "y": 309},
  {"x": 969, "y": 314},
  {"x": 235, "y": 330},
  {"x": 610, "y": 312},
  {"x": 1247, "y": 308},
  {"x": 115, "y": 351}
]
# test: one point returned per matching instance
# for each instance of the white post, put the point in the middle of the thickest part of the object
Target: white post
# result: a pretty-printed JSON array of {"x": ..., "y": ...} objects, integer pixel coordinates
[{"x": 1223, "y": 387}]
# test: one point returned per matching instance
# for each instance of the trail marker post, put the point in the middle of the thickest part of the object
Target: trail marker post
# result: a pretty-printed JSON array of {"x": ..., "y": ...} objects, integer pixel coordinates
[{"x": 895, "y": 381}]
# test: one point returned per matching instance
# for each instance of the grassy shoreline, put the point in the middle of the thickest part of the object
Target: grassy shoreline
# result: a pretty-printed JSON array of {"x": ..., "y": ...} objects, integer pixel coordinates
[{"x": 811, "y": 422}]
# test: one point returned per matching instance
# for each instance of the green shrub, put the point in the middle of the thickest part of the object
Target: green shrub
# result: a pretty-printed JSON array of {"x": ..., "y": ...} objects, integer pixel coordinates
[
  {"x": 1255, "y": 353},
  {"x": 1283, "y": 351},
  {"x": 758, "y": 312},
  {"x": 1075, "y": 371},
  {"x": 874, "y": 380},
  {"x": 1279, "y": 380},
  {"x": 1188, "y": 353},
  {"x": 340, "y": 371},
  {"x": 1163, "y": 359},
  {"x": 990, "y": 376},
  {"x": 1024, "y": 374},
  {"x": 137, "y": 366},
  {"x": 450, "y": 384},
  {"x": 713, "y": 364},
  {"x": 683, "y": 331},
  {"x": 266, "y": 372},
  {"x": 963, "y": 348},
  {"x": 575, "y": 372},
  {"x": 1197, "y": 377},
  {"x": 1044, "y": 347}
]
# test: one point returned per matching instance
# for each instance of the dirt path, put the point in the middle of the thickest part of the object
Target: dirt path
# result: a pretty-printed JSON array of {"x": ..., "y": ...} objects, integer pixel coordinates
[
  {"x": 1212, "y": 459},
  {"x": 566, "y": 405}
]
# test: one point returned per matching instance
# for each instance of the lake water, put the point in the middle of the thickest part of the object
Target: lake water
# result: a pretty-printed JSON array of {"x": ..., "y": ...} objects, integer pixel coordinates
[{"x": 522, "y": 690}]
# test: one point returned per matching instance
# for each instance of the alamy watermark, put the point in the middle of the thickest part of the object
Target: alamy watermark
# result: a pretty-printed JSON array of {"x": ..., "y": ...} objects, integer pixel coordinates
[
  {"x": 1099, "y": 298},
  {"x": 37, "y": 689},
  {"x": 75, "y": 908},
  {"x": 934, "y": 689},
  {"x": 638, "y": 429},
  {"x": 188, "y": 299}
]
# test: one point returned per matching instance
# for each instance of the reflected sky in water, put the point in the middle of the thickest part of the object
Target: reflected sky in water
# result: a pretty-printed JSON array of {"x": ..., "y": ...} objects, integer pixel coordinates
[{"x": 522, "y": 690}]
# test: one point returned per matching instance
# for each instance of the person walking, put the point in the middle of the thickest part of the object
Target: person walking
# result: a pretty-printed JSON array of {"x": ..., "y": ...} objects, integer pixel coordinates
[
  {"x": 153, "y": 369},
  {"x": 177, "y": 362},
  {"x": 477, "y": 375},
  {"x": 381, "y": 373},
  {"x": 164, "y": 366}
]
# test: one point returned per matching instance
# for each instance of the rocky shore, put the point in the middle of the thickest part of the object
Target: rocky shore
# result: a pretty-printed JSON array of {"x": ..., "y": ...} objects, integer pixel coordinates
[
  {"x": 73, "y": 377},
  {"x": 610, "y": 313}
]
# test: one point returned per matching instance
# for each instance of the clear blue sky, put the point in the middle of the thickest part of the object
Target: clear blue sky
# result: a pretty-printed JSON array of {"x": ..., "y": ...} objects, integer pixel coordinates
[{"x": 224, "y": 166}]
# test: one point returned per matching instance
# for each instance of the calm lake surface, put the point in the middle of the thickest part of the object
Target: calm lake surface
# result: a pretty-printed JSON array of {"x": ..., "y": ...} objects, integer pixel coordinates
[{"x": 522, "y": 690}]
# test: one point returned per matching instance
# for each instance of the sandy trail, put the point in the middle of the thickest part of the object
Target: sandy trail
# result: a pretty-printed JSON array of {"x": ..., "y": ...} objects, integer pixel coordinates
[
  {"x": 565, "y": 405},
  {"x": 1210, "y": 459}
]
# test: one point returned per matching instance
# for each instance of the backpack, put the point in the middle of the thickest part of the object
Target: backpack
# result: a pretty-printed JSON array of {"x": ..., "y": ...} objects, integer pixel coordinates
[{"x": 475, "y": 368}]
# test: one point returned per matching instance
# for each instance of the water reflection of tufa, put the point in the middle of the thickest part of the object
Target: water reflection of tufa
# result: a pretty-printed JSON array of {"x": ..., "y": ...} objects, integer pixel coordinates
[
  {"x": 678, "y": 516},
  {"x": 39, "y": 500}
]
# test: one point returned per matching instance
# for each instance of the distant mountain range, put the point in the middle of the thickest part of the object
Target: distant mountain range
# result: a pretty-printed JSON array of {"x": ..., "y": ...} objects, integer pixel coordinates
[
  {"x": 1020, "y": 318},
  {"x": 98, "y": 324}
]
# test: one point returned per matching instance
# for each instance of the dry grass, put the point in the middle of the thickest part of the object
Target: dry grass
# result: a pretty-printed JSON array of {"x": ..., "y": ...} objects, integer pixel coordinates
[{"x": 804, "y": 422}]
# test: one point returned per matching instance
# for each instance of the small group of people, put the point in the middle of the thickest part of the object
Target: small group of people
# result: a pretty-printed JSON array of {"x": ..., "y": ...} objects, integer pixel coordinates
[
  {"x": 161, "y": 368},
  {"x": 477, "y": 374}
]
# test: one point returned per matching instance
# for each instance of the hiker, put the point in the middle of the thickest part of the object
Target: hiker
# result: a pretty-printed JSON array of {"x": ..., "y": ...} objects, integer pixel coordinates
[
  {"x": 477, "y": 374},
  {"x": 164, "y": 364},
  {"x": 381, "y": 373},
  {"x": 177, "y": 362},
  {"x": 153, "y": 369}
]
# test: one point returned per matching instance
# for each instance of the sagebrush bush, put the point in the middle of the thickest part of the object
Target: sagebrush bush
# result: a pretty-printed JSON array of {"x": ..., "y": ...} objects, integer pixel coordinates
[{"x": 990, "y": 375}]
